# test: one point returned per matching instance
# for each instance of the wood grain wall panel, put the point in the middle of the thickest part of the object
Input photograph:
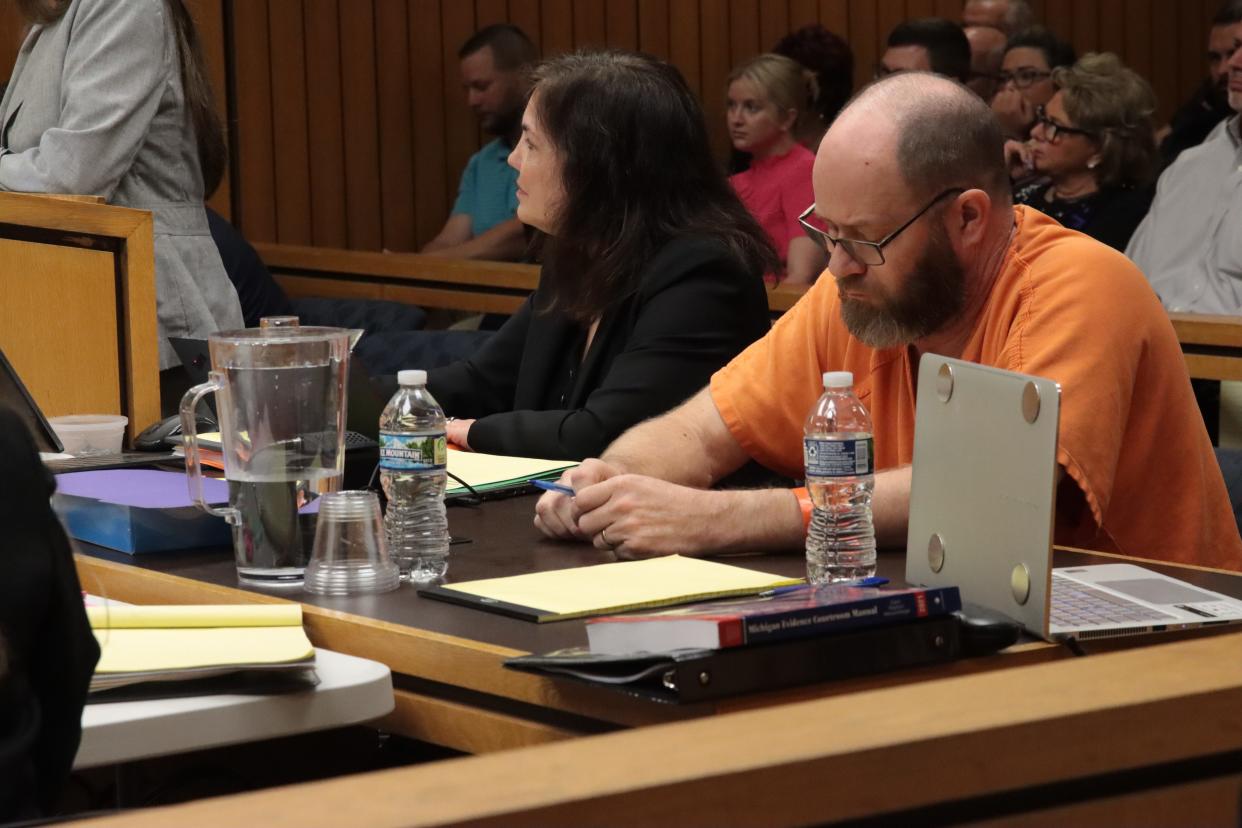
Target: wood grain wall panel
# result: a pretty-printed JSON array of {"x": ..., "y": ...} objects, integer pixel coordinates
[
  {"x": 685, "y": 42},
  {"x": 1059, "y": 17},
  {"x": 1114, "y": 18},
  {"x": 621, "y": 24},
  {"x": 653, "y": 28},
  {"x": 361, "y": 124},
  {"x": 326, "y": 124},
  {"x": 396, "y": 123},
  {"x": 744, "y": 40},
  {"x": 1164, "y": 60},
  {"x": 254, "y": 152},
  {"x": 558, "y": 26},
  {"x": 384, "y": 152},
  {"x": 486, "y": 12},
  {"x": 527, "y": 16},
  {"x": 716, "y": 61},
  {"x": 589, "y": 28},
  {"x": 460, "y": 127},
  {"x": 863, "y": 37},
  {"x": 432, "y": 188},
  {"x": 920, "y": 8},
  {"x": 803, "y": 13},
  {"x": 12, "y": 32},
  {"x": 1086, "y": 33},
  {"x": 888, "y": 14},
  {"x": 209, "y": 18},
  {"x": 773, "y": 24},
  {"x": 834, "y": 15},
  {"x": 289, "y": 121},
  {"x": 1137, "y": 46}
]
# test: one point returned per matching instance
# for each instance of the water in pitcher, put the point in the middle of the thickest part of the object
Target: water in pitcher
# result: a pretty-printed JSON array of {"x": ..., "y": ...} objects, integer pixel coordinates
[{"x": 284, "y": 455}]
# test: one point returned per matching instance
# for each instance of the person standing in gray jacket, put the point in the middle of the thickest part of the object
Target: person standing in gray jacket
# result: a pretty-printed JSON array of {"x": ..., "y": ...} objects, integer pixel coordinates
[{"x": 110, "y": 98}]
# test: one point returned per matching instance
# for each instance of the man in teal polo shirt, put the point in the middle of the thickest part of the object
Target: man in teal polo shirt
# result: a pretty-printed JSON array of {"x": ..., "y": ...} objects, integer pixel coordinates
[{"x": 495, "y": 64}]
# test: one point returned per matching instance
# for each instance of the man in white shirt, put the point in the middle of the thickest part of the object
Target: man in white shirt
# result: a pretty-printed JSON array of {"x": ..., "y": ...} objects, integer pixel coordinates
[{"x": 1189, "y": 246}]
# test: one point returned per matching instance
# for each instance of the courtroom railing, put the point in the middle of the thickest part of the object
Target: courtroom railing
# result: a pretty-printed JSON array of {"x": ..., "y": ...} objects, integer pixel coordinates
[{"x": 1212, "y": 344}]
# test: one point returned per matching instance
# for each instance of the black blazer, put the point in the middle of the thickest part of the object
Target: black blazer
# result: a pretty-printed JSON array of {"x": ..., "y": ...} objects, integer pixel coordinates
[{"x": 532, "y": 395}]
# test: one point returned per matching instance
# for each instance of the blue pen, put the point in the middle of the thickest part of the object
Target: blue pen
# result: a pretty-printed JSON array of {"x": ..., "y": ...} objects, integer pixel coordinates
[{"x": 549, "y": 486}]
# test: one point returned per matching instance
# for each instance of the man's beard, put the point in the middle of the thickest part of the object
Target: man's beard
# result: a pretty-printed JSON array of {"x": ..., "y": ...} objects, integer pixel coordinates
[
  {"x": 931, "y": 294},
  {"x": 503, "y": 124}
]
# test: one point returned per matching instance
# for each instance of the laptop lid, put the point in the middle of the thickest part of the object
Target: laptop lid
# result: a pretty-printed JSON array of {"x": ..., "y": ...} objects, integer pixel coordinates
[
  {"x": 13, "y": 393},
  {"x": 983, "y": 488}
]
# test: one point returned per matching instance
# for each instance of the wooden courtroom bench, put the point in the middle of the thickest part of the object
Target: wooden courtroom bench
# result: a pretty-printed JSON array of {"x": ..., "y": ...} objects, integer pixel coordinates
[{"x": 1212, "y": 344}]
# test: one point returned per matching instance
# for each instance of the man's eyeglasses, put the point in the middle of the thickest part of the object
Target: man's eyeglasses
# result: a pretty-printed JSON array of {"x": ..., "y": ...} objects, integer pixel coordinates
[
  {"x": 1052, "y": 129},
  {"x": 865, "y": 252},
  {"x": 1021, "y": 78}
]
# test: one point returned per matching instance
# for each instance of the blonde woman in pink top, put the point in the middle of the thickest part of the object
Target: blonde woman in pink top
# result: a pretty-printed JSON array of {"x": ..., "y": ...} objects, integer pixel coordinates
[{"x": 768, "y": 97}]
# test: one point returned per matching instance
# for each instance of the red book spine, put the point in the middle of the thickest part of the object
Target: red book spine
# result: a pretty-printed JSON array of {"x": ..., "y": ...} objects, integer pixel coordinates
[{"x": 731, "y": 632}]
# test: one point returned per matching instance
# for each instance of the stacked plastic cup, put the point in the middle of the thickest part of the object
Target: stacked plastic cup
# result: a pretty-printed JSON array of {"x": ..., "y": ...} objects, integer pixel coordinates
[{"x": 350, "y": 555}]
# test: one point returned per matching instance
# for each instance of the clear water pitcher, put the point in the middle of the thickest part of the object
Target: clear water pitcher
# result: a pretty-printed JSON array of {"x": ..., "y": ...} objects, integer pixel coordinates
[{"x": 281, "y": 398}]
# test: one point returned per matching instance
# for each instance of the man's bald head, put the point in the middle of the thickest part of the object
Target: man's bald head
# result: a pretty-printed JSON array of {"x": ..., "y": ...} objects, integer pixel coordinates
[{"x": 945, "y": 136}]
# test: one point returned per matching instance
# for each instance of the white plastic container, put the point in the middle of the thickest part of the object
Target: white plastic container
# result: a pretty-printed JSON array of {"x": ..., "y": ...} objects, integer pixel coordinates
[{"x": 87, "y": 435}]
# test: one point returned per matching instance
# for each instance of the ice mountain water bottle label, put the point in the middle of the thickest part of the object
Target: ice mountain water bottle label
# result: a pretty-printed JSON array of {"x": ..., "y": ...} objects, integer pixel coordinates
[
  {"x": 838, "y": 458},
  {"x": 412, "y": 452}
]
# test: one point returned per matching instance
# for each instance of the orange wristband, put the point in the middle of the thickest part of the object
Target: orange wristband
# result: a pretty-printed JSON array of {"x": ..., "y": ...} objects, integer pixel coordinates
[{"x": 805, "y": 504}]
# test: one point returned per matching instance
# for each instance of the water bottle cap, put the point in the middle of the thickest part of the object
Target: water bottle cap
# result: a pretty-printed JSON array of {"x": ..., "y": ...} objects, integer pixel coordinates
[
  {"x": 838, "y": 379},
  {"x": 412, "y": 377}
]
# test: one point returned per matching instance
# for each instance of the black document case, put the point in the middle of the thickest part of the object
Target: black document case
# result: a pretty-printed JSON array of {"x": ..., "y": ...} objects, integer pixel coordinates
[{"x": 685, "y": 676}]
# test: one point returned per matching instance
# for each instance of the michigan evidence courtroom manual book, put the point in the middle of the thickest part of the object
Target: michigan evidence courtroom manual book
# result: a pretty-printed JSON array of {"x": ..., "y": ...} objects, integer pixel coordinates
[{"x": 798, "y": 612}]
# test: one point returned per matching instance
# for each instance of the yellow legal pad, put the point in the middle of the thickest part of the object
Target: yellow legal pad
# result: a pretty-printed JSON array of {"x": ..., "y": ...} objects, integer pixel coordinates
[
  {"x": 607, "y": 588},
  {"x": 488, "y": 472},
  {"x": 143, "y": 643}
]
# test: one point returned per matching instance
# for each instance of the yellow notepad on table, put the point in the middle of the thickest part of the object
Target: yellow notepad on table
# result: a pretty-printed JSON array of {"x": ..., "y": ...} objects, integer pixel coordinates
[
  {"x": 148, "y": 643},
  {"x": 608, "y": 588},
  {"x": 491, "y": 472}
]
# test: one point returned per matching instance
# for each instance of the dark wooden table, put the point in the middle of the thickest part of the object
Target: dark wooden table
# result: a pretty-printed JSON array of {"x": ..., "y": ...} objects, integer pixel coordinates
[{"x": 446, "y": 659}]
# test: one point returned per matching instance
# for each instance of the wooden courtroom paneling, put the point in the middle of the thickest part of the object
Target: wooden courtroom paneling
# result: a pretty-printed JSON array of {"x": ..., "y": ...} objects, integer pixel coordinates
[{"x": 351, "y": 127}]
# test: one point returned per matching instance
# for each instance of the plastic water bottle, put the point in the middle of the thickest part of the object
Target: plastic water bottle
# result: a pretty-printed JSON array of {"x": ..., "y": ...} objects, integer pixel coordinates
[
  {"x": 840, "y": 475},
  {"x": 413, "y": 454}
]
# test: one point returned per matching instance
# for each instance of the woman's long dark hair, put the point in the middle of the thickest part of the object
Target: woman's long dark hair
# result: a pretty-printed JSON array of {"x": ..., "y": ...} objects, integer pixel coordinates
[
  {"x": 208, "y": 130},
  {"x": 637, "y": 172}
]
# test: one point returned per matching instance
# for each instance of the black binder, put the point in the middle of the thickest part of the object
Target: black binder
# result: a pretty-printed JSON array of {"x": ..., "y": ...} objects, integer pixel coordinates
[{"x": 684, "y": 676}]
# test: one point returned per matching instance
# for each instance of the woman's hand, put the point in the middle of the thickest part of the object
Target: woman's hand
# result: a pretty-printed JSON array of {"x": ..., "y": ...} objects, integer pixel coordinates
[
  {"x": 1018, "y": 159},
  {"x": 458, "y": 432}
]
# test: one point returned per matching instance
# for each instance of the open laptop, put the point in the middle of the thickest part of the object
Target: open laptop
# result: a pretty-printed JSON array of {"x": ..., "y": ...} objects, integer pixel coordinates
[{"x": 982, "y": 511}]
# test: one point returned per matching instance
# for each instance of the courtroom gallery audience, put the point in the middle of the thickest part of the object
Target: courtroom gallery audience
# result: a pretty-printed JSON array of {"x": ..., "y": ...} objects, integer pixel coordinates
[
  {"x": 495, "y": 68},
  {"x": 927, "y": 255},
  {"x": 94, "y": 108},
  {"x": 768, "y": 96},
  {"x": 830, "y": 58},
  {"x": 929, "y": 44},
  {"x": 1188, "y": 244},
  {"x": 1010, "y": 16},
  {"x": 987, "y": 49},
  {"x": 652, "y": 268},
  {"x": 1094, "y": 150},
  {"x": 1025, "y": 79},
  {"x": 1210, "y": 104}
]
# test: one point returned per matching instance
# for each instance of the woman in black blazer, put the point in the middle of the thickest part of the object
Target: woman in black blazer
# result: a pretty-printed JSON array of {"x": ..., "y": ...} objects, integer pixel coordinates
[{"x": 652, "y": 268}]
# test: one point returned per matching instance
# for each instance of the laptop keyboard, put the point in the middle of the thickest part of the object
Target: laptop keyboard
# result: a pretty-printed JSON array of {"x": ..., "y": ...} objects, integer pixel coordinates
[
  {"x": 1076, "y": 605},
  {"x": 111, "y": 461}
]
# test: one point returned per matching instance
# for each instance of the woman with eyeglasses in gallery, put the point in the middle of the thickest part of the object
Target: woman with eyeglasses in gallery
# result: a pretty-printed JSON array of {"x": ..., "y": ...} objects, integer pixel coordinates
[
  {"x": 768, "y": 98},
  {"x": 1092, "y": 149},
  {"x": 1025, "y": 78},
  {"x": 652, "y": 268}
]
